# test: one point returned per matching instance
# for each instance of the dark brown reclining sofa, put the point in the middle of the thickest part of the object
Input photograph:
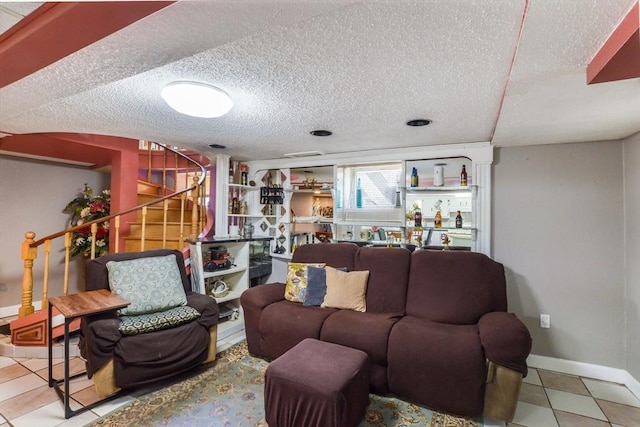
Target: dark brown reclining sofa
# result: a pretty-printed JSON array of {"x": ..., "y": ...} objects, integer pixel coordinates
[{"x": 436, "y": 327}]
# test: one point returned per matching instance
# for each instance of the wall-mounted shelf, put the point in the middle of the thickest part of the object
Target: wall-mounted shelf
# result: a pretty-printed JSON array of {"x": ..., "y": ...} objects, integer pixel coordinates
[
  {"x": 244, "y": 187},
  {"x": 452, "y": 189}
]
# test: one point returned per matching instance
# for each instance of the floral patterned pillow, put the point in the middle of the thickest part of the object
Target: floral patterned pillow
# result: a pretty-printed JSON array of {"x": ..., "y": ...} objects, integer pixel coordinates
[
  {"x": 150, "y": 284},
  {"x": 296, "y": 286},
  {"x": 149, "y": 322}
]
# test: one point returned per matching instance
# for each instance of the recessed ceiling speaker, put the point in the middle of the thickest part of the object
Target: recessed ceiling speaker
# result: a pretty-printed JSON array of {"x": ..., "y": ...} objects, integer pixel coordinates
[{"x": 419, "y": 122}]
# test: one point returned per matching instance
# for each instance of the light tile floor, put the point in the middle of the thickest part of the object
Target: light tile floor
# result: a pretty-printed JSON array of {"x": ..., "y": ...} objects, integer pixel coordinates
[
  {"x": 547, "y": 399},
  {"x": 553, "y": 399}
]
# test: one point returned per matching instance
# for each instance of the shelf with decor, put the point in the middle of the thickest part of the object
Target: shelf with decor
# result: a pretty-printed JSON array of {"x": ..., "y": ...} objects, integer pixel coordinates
[
  {"x": 386, "y": 183},
  {"x": 240, "y": 196},
  {"x": 208, "y": 262},
  {"x": 441, "y": 192},
  {"x": 444, "y": 189},
  {"x": 311, "y": 207}
]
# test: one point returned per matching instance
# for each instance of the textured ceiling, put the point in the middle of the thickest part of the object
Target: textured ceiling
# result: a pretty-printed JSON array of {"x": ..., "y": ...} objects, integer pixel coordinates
[{"x": 510, "y": 72}]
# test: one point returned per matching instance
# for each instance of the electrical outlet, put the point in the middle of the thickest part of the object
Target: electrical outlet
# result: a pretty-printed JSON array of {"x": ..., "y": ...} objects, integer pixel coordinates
[{"x": 545, "y": 321}]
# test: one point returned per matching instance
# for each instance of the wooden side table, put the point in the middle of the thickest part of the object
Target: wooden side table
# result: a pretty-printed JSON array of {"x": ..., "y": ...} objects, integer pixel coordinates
[{"x": 72, "y": 307}]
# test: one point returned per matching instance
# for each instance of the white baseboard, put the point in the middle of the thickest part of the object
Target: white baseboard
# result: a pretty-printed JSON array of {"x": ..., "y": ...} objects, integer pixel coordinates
[
  {"x": 13, "y": 310},
  {"x": 588, "y": 370}
]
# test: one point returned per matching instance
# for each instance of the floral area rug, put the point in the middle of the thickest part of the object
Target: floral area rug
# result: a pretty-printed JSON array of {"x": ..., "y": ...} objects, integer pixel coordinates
[{"x": 229, "y": 392}]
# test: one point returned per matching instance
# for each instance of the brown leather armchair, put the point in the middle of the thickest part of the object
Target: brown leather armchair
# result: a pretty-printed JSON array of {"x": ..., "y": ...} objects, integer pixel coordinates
[{"x": 118, "y": 360}]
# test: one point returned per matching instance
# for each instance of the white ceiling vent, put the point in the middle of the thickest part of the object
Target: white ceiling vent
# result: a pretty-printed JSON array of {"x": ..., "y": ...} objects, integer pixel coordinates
[{"x": 303, "y": 154}]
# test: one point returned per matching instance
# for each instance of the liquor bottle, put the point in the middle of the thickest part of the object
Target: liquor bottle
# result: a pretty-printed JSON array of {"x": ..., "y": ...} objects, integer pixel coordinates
[
  {"x": 359, "y": 195},
  {"x": 463, "y": 177},
  {"x": 417, "y": 218},
  {"x": 437, "y": 221},
  {"x": 235, "y": 205},
  {"x": 414, "y": 177},
  {"x": 236, "y": 172},
  {"x": 243, "y": 178},
  {"x": 230, "y": 173},
  {"x": 458, "y": 220}
]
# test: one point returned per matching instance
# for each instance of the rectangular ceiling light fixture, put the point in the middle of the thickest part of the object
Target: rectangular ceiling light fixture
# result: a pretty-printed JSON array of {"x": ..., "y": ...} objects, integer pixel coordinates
[{"x": 303, "y": 154}]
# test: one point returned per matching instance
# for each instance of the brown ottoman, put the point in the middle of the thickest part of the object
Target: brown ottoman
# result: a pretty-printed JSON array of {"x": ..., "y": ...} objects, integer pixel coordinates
[{"x": 317, "y": 384}]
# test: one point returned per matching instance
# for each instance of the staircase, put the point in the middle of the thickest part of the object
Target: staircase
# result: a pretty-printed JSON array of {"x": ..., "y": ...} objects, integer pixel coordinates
[
  {"x": 154, "y": 225},
  {"x": 165, "y": 217}
]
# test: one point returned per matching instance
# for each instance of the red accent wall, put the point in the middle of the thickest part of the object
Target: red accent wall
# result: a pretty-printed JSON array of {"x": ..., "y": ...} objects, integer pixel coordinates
[{"x": 121, "y": 154}]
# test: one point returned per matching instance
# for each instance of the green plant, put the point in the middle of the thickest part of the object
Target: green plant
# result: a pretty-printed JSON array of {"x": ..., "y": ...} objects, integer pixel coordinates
[{"x": 87, "y": 208}]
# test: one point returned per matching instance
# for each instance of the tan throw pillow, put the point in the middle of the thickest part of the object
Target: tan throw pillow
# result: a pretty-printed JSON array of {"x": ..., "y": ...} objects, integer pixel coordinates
[
  {"x": 346, "y": 290},
  {"x": 296, "y": 286}
]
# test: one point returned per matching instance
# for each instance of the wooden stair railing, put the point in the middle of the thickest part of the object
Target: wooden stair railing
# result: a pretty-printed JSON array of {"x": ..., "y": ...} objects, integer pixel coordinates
[{"x": 30, "y": 328}]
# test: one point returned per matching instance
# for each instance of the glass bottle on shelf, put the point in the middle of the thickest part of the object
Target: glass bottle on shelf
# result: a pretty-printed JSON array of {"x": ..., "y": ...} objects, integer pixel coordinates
[
  {"x": 417, "y": 218},
  {"x": 230, "y": 173},
  {"x": 463, "y": 176},
  {"x": 437, "y": 220},
  {"x": 235, "y": 206},
  {"x": 414, "y": 177},
  {"x": 243, "y": 174},
  {"x": 359, "y": 195},
  {"x": 458, "y": 220}
]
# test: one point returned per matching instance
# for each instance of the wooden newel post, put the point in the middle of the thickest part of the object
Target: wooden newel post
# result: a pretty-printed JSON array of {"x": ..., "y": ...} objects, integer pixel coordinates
[
  {"x": 29, "y": 254},
  {"x": 194, "y": 208}
]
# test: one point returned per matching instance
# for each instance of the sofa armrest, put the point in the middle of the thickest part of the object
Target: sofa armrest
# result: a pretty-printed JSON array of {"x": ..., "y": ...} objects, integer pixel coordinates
[
  {"x": 253, "y": 301},
  {"x": 263, "y": 295},
  {"x": 99, "y": 337},
  {"x": 506, "y": 340},
  {"x": 206, "y": 306}
]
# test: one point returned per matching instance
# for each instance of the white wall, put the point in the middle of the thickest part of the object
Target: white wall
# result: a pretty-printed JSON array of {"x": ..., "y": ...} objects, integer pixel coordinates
[
  {"x": 631, "y": 159},
  {"x": 558, "y": 229},
  {"x": 32, "y": 197}
]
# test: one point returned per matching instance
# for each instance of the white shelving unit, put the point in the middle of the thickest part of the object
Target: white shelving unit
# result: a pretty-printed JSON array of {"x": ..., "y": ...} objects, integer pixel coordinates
[
  {"x": 478, "y": 158},
  {"x": 451, "y": 197},
  {"x": 236, "y": 277}
]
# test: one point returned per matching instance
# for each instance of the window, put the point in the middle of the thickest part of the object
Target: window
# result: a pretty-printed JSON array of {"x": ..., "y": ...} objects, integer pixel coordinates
[{"x": 369, "y": 192}]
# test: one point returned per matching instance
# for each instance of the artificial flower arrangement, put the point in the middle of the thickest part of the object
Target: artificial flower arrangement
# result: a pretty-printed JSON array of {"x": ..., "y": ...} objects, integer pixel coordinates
[
  {"x": 411, "y": 214},
  {"x": 84, "y": 209}
]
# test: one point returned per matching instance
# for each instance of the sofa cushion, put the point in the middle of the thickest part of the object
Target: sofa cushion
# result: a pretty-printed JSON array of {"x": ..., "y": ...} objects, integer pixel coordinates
[
  {"x": 333, "y": 254},
  {"x": 455, "y": 287},
  {"x": 437, "y": 365},
  {"x": 368, "y": 332},
  {"x": 388, "y": 276},
  {"x": 297, "y": 276},
  {"x": 149, "y": 322},
  {"x": 346, "y": 290},
  {"x": 150, "y": 284},
  {"x": 284, "y": 324},
  {"x": 146, "y": 358}
]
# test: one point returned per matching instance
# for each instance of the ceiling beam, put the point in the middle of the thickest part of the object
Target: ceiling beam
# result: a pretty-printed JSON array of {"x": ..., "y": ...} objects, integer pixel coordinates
[
  {"x": 96, "y": 150},
  {"x": 56, "y": 30},
  {"x": 619, "y": 56}
]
